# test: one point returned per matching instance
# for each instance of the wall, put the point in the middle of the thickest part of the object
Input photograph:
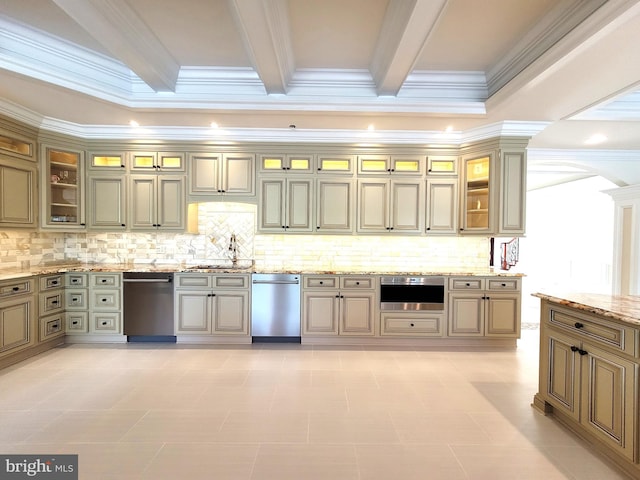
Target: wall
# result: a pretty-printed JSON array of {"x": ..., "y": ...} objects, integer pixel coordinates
[{"x": 217, "y": 221}]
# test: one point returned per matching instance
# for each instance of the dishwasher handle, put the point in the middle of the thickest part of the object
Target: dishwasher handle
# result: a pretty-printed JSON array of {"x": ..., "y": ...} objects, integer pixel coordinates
[
  {"x": 146, "y": 280},
  {"x": 276, "y": 282}
]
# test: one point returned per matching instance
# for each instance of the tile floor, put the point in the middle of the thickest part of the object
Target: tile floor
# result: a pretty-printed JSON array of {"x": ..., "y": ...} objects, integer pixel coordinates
[{"x": 290, "y": 412}]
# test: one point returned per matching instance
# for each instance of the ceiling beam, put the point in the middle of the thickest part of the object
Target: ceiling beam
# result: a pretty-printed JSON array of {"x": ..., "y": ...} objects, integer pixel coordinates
[
  {"x": 122, "y": 32},
  {"x": 405, "y": 30},
  {"x": 264, "y": 27}
]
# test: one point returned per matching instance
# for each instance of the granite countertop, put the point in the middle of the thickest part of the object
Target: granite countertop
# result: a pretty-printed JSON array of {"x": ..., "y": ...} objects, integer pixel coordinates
[
  {"x": 625, "y": 308},
  {"x": 244, "y": 267}
]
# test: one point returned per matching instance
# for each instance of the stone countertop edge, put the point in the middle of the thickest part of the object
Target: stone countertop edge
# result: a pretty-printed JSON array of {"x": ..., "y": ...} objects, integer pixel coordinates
[
  {"x": 16, "y": 273},
  {"x": 625, "y": 308}
]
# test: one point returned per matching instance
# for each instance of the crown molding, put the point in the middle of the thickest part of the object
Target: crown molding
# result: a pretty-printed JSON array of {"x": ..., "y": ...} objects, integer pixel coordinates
[{"x": 626, "y": 108}]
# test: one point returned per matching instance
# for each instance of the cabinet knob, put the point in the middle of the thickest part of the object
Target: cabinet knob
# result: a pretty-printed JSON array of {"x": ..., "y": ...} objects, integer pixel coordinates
[
  {"x": 357, "y": 283},
  {"x": 428, "y": 228},
  {"x": 103, "y": 299},
  {"x": 411, "y": 324},
  {"x": 104, "y": 323},
  {"x": 582, "y": 352},
  {"x": 122, "y": 225},
  {"x": 468, "y": 284},
  {"x": 504, "y": 284},
  {"x": 321, "y": 282},
  {"x": 75, "y": 322},
  {"x": 578, "y": 325},
  {"x": 15, "y": 289}
]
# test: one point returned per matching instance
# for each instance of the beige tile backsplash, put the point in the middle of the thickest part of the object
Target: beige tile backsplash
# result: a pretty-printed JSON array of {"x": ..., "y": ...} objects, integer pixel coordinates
[{"x": 217, "y": 221}]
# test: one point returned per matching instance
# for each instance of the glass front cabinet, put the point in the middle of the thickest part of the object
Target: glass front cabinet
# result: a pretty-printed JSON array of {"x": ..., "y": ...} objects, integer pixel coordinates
[
  {"x": 477, "y": 214},
  {"x": 62, "y": 188}
]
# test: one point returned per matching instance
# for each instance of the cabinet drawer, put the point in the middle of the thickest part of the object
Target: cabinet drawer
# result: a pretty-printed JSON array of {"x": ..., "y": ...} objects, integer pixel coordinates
[
  {"x": 16, "y": 287},
  {"x": 105, "y": 280},
  {"x": 51, "y": 302},
  {"x": 52, "y": 326},
  {"x": 357, "y": 282},
  {"x": 231, "y": 281},
  {"x": 77, "y": 322},
  {"x": 193, "y": 281},
  {"x": 321, "y": 281},
  {"x": 51, "y": 281},
  {"x": 412, "y": 325},
  {"x": 105, "y": 322},
  {"x": 511, "y": 284},
  {"x": 105, "y": 299},
  {"x": 76, "y": 280},
  {"x": 76, "y": 299},
  {"x": 612, "y": 335},
  {"x": 466, "y": 283}
]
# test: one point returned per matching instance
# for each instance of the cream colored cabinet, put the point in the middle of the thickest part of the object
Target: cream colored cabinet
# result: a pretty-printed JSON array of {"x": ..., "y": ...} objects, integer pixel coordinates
[
  {"x": 208, "y": 304},
  {"x": 484, "y": 307},
  {"x": 107, "y": 202},
  {"x": 390, "y": 164},
  {"x": 105, "y": 303},
  {"x": 336, "y": 164},
  {"x": 158, "y": 202},
  {"x": 335, "y": 205},
  {"x": 76, "y": 303},
  {"x": 588, "y": 376},
  {"x": 107, "y": 162},
  {"x": 62, "y": 193},
  {"x": 17, "y": 316},
  {"x": 390, "y": 206},
  {"x": 157, "y": 162},
  {"x": 51, "y": 299},
  {"x": 285, "y": 205},
  {"x": 213, "y": 174},
  {"x": 338, "y": 305},
  {"x": 477, "y": 210},
  {"x": 286, "y": 163},
  {"x": 513, "y": 192},
  {"x": 412, "y": 324},
  {"x": 442, "y": 206},
  {"x": 442, "y": 165},
  {"x": 17, "y": 193}
]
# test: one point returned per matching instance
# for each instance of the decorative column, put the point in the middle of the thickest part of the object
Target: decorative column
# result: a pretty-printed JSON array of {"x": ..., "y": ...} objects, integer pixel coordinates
[{"x": 626, "y": 247}]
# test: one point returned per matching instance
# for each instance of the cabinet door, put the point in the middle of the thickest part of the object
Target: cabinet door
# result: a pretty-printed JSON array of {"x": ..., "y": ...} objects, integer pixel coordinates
[
  {"x": 320, "y": 313},
  {"x": 16, "y": 317},
  {"x": 193, "y": 312},
  {"x": 237, "y": 174},
  {"x": 231, "y": 313},
  {"x": 562, "y": 379},
  {"x": 442, "y": 206},
  {"x": 204, "y": 173},
  {"x": 406, "y": 206},
  {"x": 271, "y": 215},
  {"x": 17, "y": 194},
  {"x": 171, "y": 202},
  {"x": 62, "y": 188},
  {"x": 373, "y": 206},
  {"x": 608, "y": 398},
  {"x": 502, "y": 315},
  {"x": 477, "y": 201},
  {"x": 357, "y": 313},
  {"x": 334, "y": 200},
  {"x": 107, "y": 202},
  {"x": 466, "y": 315},
  {"x": 299, "y": 205},
  {"x": 513, "y": 193},
  {"x": 143, "y": 207}
]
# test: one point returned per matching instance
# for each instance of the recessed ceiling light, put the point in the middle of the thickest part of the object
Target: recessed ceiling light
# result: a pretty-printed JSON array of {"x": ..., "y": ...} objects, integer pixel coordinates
[
  {"x": 214, "y": 125},
  {"x": 371, "y": 127},
  {"x": 595, "y": 139},
  {"x": 449, "y": 129},
  {"x": 133, "y": 123}
]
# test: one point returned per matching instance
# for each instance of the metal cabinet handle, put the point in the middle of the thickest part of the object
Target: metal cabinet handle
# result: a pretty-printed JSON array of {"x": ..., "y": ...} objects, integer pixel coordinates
[{"x": 578, "y": 325}]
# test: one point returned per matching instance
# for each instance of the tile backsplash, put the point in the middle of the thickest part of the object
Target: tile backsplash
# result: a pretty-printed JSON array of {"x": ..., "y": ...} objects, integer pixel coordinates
[{"x": 217, "y": 221}]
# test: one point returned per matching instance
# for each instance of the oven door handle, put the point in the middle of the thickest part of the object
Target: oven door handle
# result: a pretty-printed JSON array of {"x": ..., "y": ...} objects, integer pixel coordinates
[{"x": 146, "y": 280}]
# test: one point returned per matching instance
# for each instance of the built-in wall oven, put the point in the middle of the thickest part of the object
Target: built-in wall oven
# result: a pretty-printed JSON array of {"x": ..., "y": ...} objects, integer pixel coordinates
[{"x": 412, "y": 293}]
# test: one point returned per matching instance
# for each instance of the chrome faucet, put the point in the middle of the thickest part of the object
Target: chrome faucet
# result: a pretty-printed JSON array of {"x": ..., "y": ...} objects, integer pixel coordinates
[{"x": 233, "y": 249}]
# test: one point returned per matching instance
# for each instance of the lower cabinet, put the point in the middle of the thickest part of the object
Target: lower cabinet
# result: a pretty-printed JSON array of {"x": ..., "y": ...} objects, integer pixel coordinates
[
  {"x": 423, "y": 324},
  {"x": 76, "y": 299},
  {"x": 51, "y": 307},
  {"x": 212, "y": 304},
  {"x": 338, "y": 305},
  {"x": 105, "y": 303},
  {"x": 17, "y": 316},
  {"x": 589, "y": 378}
]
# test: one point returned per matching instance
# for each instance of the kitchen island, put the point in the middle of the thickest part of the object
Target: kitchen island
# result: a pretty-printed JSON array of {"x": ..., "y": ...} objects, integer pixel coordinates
[{"x": 589, "y": 366}]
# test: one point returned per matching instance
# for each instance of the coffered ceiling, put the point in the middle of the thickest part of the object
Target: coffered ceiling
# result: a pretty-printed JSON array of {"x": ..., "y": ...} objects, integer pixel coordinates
[{"x": 419, "y": 72}]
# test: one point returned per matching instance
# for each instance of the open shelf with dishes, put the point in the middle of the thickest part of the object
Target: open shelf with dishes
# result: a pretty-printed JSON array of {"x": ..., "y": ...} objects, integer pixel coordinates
[{"x": 64, "y": 182}]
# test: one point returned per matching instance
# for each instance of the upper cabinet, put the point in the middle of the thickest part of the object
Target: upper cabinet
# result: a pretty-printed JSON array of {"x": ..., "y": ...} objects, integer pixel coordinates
[
  {"x": 390, "y": 164},
  {"x": 158, "y": 162},
  {"x": 390, "y": 206},
  {"x": 477, "y": 212},
  {"x": 108, "y": 161},
  {"x": 215, "y": 174},
  {"x": 62, "y": 188},
  {"x": 286, "y": 163},
  {"x": 18, "y": 171},
  {"x": 442, "y": 165},
  {"x": 336, "y": 164}
]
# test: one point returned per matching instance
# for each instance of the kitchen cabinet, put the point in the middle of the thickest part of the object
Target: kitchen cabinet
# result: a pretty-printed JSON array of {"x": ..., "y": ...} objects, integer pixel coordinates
[
  {"x": 390, "y": 165},
  {"x": 286, "y": 163},
  {"x": 589, "y": 376},
  {"x": 107, "y": 202},
  {"x": 215, "y": 174},
  {"x": 62, "y": 193},
  {"x": 412, "y": 324},
  {"x": 107, "y": 162},
  {"x": 105, "y": 303},
  {"x": 158, "y": 202},
  {"x": 76, "y": 303},
  {"x": 442, "y": 206},
  {"x": 336, "y": 164},
  {"x": 390, "y": 206},
  {"x": 477, "y": 199},
  {"x": 17, "y": 193},
  {"x": 484, "y": 307},
  {"x": 286, "y": 205},
  {"x": 17, "y": 316},
  {"x": 51, "y": 307},
  {"x": 335, "y": 205},
  {"x": 157, "y": 162},
  {"x": 210, "y": 304},
  {"x": 338, "y": 305},
  {"x": 438, "y": 165}
]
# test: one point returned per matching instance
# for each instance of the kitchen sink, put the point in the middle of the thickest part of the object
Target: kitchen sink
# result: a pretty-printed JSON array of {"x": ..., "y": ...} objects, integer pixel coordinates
[{"x": 219, "y": 267}]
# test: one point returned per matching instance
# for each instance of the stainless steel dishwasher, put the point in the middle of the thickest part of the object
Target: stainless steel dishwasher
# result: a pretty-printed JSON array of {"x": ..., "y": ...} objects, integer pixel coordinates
[
  {"x": 275, "y": 307},
  {"x": 148, "y": 307}
]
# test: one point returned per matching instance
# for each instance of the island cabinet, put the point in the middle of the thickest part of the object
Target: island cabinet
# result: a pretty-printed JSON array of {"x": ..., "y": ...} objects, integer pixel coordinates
[
  {"x": 338, "y": 305},
  {"x": 212, "y": 306},
  {"x": 484, "y": 307},
  {"x": 589, "y": 379},
  {"x": 17, "y": 318}
]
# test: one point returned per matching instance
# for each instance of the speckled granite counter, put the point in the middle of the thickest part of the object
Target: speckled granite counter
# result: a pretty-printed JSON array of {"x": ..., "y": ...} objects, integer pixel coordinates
[
  {"x": 625, "y": 308},
  {"x": 8, "y": 274}
]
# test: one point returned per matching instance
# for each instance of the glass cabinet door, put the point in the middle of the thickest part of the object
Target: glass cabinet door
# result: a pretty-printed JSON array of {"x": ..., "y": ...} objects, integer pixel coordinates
[
  {"x": 64, "y": 188},
  {"x": 477, "y": 194}
]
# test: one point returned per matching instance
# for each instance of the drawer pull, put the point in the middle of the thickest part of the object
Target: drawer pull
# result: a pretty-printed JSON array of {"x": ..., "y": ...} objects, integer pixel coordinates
[
  {"x": 412, "y": 324},
  {"x": 75, "y": 322},
  {"x": 103, "y": 299},
  {"x": 468, "y": 284},
  {"x": 104, "y": 323},
  {"x": 357, "y": 283},
  {"x": 578, "y": 325},
  {"x": 582, "y": 352},
  {"x": 15, "y": 289},
  {"x": 104, "y": 280},
  {"x": 54, "y": 282},
  {"x": 321, "y": 282},
  {"x": 504, "y": 284},
  {"x": 574, "y": 348}
]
